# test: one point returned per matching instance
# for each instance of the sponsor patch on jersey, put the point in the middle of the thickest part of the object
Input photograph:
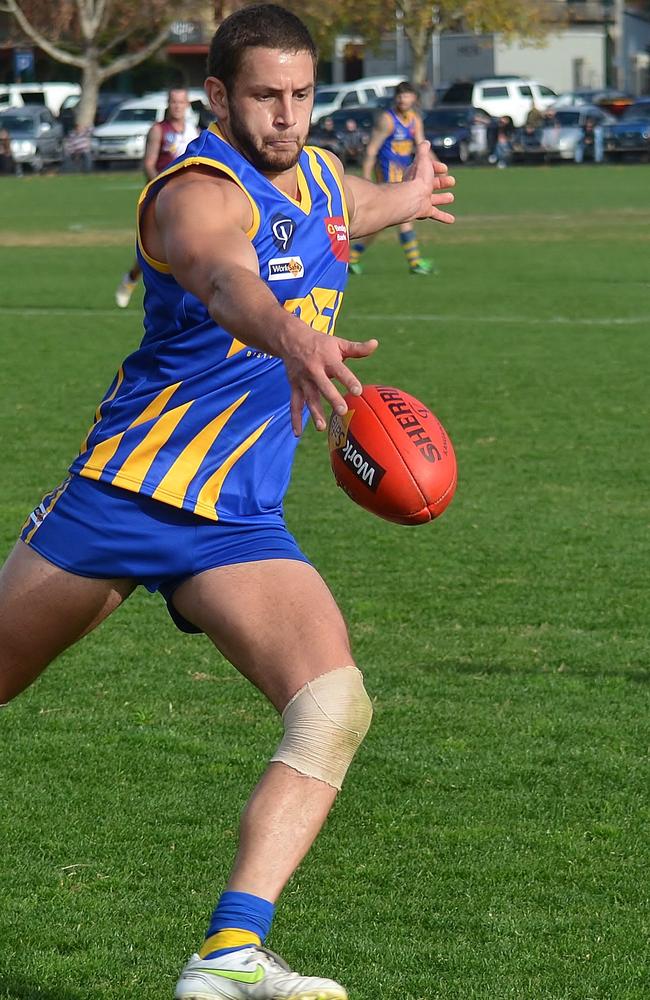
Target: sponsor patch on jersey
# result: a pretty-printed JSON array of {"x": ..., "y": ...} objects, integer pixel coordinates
[
  {"x": 285, "y": 268},
  {"x": 338, "y": 236},
  {"x": 283, "y": 229}
]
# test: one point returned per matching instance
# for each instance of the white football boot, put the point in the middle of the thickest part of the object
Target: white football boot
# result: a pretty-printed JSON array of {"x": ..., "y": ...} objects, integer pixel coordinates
[
  {"x": 250, "y": 974},
  {"x": 124, "y": 291}
]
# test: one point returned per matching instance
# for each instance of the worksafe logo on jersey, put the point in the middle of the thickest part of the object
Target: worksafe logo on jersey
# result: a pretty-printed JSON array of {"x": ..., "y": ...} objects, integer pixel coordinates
[
  {"x": 285, "y": 268},
  {"x": 283, "y": 230},
  {"x": 339, "y": 239}
]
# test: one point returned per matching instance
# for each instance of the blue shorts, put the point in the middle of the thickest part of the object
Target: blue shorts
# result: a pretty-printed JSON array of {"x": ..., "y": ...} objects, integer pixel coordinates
[{"x": 104, "y": 532}]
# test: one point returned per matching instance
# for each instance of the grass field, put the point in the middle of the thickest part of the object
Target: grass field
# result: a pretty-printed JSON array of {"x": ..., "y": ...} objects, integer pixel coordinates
[{"x": 491, "y": 842}]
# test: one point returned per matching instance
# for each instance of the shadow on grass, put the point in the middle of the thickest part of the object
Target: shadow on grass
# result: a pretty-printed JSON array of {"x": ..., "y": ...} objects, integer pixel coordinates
[{"x": 15, "y": 988}]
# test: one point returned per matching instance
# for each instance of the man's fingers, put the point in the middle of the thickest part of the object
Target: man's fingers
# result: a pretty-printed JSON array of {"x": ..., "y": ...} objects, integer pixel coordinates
[
  {"x": 439, "y": 216},
  {"x": 358, "y": 348},
  {"x": 297, "y": 404}
]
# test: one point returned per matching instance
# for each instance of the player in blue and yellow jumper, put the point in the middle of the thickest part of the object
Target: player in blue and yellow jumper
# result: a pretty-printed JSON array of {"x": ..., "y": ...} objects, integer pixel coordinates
[
  {"x": 389, "y": 154},
  {"x": 178, "y": 485}
]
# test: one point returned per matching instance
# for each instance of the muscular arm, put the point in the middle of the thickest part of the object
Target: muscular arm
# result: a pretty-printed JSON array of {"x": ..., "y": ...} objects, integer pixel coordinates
[
  {"x": 151, "y": 151},
  {"x": 199, "y": 229}
]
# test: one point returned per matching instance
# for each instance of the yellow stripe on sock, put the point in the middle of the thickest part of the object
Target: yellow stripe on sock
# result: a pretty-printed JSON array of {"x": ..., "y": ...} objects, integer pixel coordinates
[{"x": 229, "y": 937}]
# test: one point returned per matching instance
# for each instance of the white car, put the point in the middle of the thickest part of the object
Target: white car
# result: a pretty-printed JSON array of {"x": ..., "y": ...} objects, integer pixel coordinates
[
  {"x": 123, "y": 137},
  {"x": 509, "y": 96},
  {"x": 559, "y": 140},
  {"x": 332, "y": 97}
]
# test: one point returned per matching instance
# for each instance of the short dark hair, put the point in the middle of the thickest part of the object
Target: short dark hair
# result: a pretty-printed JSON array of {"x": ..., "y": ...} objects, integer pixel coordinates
[
  {"x": 263, "y": 26},
  {"x": 405, "y": 88}
]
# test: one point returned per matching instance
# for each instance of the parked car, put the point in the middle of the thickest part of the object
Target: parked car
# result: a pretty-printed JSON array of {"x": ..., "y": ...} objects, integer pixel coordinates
[
  {"x": 456, "y": 132},
  {"x": 613, "y": 101},
  {"x": 50, "y": 95},
  {"x": 36, "y": 137},
  {"x": 511, "y": 96},
  {"x": 337, "y": 96},
  {"x": 560, "y": 137},
  {"x": 107, "y": 103},
  {"x": 630, "y": 134},
  {"x": 122, "y": 138}
]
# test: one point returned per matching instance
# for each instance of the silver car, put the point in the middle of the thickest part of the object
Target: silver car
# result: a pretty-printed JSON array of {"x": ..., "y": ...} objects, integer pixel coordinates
[
  {"x": 561, "y": 137},
  {"x": 36, "y": 137}
]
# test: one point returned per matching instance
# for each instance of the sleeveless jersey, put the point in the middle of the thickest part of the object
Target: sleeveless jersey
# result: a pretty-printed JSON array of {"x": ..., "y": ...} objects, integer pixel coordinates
[
  {"x": 172, "y": 142},
  {"x": 195, "y": 418},
  {"x": 396, "y": 152}
]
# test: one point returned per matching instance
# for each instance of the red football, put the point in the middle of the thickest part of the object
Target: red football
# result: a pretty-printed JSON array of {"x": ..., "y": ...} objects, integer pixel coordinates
[{"x": 392, "y": 455}]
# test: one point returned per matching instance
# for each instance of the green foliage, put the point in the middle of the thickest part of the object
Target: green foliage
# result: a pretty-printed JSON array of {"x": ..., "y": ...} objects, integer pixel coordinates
[{"x": 491, "y": 841}]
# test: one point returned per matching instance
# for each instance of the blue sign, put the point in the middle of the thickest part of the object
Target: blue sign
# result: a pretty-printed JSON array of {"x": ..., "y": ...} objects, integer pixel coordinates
[{"x": 23, "y": 62}]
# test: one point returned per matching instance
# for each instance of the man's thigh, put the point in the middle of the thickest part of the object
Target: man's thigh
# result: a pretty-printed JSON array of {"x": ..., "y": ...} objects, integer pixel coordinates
[
  {"x": 275, "y": 620},
  {"x": 43, "y": 610}
]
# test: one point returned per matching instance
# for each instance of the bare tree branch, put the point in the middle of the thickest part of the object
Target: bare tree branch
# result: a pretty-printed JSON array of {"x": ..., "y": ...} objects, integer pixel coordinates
[
  {"x": 132, "y": 59},
  {"x": 61, "y": 55}
]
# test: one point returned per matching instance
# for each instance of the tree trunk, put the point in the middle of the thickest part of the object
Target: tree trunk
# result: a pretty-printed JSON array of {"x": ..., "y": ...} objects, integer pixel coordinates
[
  {"x": 90, "y": 80},
  {"x": 419, "y": 41}
]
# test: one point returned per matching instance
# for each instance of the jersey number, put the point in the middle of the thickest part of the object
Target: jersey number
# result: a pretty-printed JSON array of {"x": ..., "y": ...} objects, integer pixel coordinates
[{"x": 319, "y": 309}]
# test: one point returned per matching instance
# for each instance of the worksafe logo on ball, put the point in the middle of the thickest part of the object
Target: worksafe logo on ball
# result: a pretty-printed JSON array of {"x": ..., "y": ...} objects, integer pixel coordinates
[
  {"x": 356, "y": 458},
  {"x": 285, "y": 268}
]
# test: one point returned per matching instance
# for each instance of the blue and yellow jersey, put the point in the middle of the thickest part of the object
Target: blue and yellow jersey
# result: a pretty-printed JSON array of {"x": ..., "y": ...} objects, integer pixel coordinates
[
  {"x": 396, "y": 152},
  {"x": 195, "y": 418}
]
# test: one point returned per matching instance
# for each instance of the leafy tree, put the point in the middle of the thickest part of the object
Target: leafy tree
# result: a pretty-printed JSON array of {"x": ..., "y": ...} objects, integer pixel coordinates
[
  {"x": 99, "y": 37},
  {"x": 420, "y": 20}
]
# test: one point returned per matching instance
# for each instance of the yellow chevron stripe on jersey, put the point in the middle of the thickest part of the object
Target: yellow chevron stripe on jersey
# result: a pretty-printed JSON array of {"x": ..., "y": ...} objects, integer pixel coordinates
[
  {"x": 337, "y": 180},
  {"x": 236, "y": 346},
  {"x": 211, "y": 490},
  {"x": 133, "y": 471},
  {"x": 103, "y": 452},
  {"x": 173, "y": 486},
  {"x": 317, "y": 172}
]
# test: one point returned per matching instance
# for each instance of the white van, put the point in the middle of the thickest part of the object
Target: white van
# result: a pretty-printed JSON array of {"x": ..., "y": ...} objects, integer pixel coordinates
[
  {"x": 510, "y": 96},
  {"x": 49, "y": 95},
  {"x": 331, "y": 97}
]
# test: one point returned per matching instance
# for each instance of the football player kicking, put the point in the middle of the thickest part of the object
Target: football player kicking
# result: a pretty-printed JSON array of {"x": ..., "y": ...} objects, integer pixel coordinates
[{"x": 243, "y": 244}]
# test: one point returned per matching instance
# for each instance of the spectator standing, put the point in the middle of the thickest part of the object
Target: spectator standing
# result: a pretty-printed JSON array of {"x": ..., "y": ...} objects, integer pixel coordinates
[{"x": 77, "y": 149}]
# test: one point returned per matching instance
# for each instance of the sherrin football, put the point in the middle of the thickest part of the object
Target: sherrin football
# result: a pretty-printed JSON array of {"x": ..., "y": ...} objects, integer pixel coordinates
[{"x": 392, "y": 456}]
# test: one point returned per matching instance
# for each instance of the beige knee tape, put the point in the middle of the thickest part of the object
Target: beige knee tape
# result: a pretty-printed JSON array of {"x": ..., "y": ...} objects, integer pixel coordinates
[{"x": 324, "y": 724}]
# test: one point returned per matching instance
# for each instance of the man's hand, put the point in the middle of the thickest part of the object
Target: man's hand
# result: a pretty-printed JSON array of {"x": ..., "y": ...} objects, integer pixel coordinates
[
  {"x": 312, "y": 360},
  {"x": 435, "y": 180}
]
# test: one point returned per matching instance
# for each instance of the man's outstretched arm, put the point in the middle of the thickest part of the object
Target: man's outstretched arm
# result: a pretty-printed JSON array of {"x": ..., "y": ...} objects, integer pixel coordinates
[{"x": 425, "y": 188}]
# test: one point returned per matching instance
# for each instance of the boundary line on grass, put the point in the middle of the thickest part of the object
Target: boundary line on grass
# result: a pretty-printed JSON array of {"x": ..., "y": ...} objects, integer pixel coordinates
[{"x": 357, "y": 317}]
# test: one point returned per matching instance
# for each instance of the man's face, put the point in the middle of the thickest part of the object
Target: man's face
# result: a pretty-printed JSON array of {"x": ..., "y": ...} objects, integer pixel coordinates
[
  {"x": 405, "y": 101},
  {"x": 268, "y": 109},
  {"x": 178, "y": 105}
]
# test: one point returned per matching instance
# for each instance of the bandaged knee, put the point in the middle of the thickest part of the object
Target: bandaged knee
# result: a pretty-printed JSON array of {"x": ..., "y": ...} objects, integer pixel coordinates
[{"x": 324, "y": 724}]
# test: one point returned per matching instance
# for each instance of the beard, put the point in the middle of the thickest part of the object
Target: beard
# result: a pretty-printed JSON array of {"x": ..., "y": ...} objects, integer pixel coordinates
[{"x": 264, "y": 157}]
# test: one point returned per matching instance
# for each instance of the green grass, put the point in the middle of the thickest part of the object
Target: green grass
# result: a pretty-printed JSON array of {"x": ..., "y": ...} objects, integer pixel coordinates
[{"x": 491, "y": 842}]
